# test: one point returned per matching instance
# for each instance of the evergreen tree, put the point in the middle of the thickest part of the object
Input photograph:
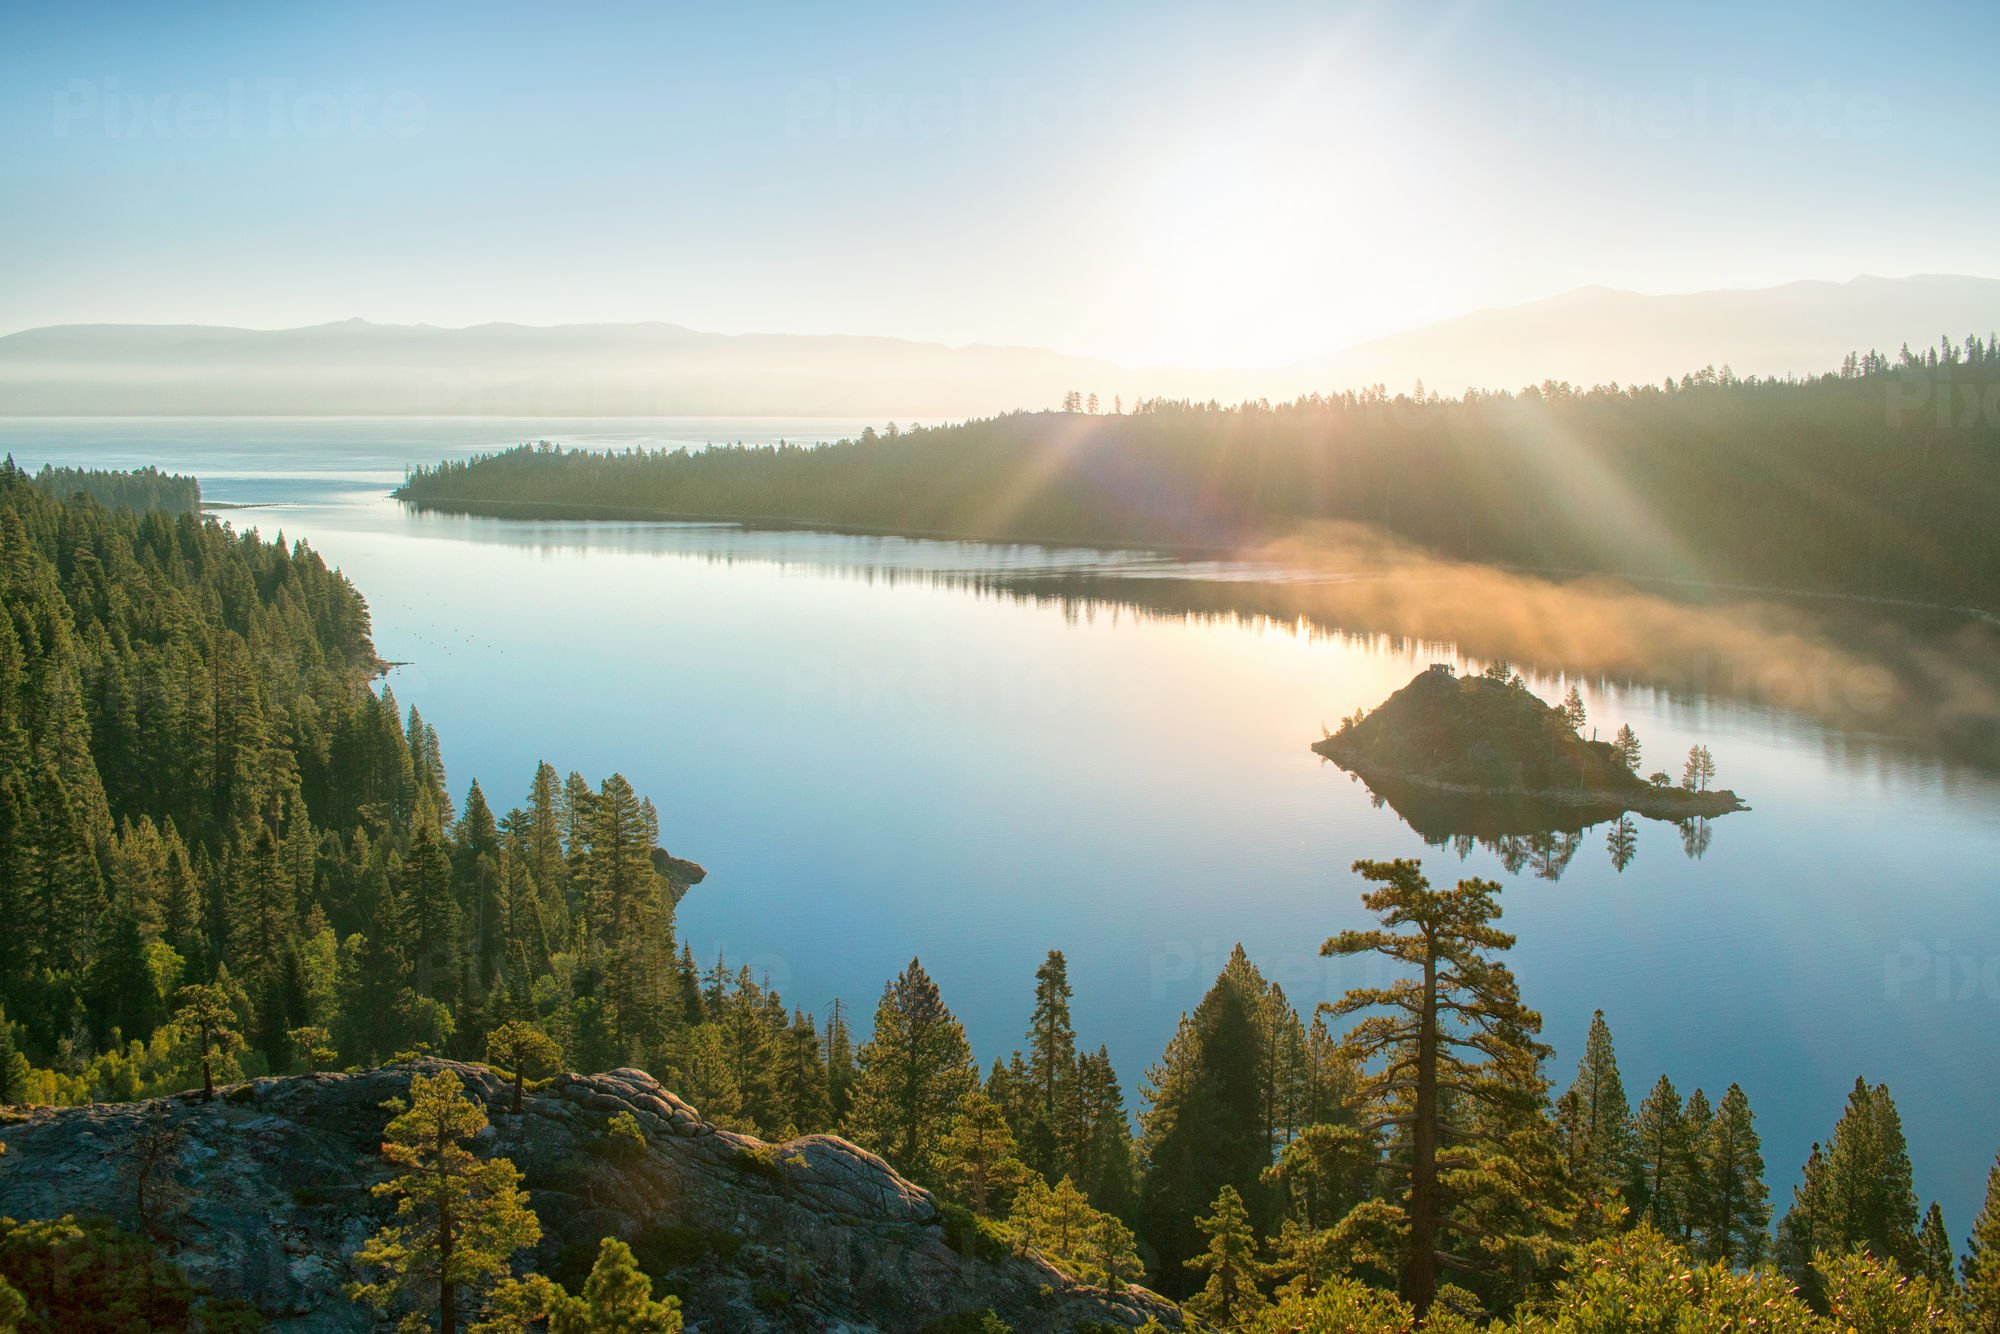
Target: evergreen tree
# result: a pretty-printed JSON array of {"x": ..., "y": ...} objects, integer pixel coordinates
[
  {"x": 1626, "y": 746},
  {"x": 1602, "y": 1153},
  {"x": 617, "y": 1299},
  {"x": 630, "y": 913},
  {"x": 1104, "y": 1151},
  {"x": 1935, "y": 1259},
  {"x": 1456, "y": 1032},
  {"x": 1858, "y": 1191},
  {"x": 1052, "y": 1072},
  {"x": 458, "y": 1218},
  {"x": 1980, "y": 1268},
  {"x": 704, "y": 1076},
  {"x": 1660, "y": 1142},
  {"x": 525, "y": 1052},
  {"x": 1735, "y": 1208},
  {"x": 14, "y": 1069},
  {"x": 1058, "y": 1222},
  {"x": 752, "y": 1037},
  {"x": 429, "y": 922},
  {"x": 1203, "y": 1126},
  {"x": 1230, "y": 1296},
  {"x": 1573, "y": 711},
  {"x": 840, "y": 1071},
  {"x": 802, "y": 1078},
  {"x": 914, "y": 1071},
  {"x": 978, "y": 1162},
  {"x": 1696, "y": 1119},
  {"x": 206, "y": 1017}
]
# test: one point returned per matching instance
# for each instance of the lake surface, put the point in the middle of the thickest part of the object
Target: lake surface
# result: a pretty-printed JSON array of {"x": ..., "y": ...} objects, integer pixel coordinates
[{"x": 878, "y": 757}]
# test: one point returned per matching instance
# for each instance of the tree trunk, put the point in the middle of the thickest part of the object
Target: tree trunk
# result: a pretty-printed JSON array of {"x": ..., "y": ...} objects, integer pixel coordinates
[
  {"x": 517, "y": 1089},
  {"x": 1420, "y": 1269},
  {"x": 207, "y": 1080}
]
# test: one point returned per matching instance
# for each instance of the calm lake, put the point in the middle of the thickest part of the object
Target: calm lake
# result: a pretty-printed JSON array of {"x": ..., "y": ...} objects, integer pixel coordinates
[{"x": 876, "y": 757}]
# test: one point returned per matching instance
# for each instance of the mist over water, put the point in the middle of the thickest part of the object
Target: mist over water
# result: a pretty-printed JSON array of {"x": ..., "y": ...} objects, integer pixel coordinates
[{"x": 882, "y": 747}]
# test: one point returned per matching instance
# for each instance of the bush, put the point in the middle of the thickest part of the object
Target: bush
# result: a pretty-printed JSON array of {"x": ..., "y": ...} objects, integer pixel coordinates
[
  {"x": 623, "y": 1138},
  {"x": 88, "y": 1276},
  {"x": 974, "y": 1237},
  {"x": 766, "y": 1161}
]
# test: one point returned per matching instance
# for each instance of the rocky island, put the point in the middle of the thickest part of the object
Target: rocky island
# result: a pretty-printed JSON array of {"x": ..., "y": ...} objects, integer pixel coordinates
[{"x": 1503, "y": 758}]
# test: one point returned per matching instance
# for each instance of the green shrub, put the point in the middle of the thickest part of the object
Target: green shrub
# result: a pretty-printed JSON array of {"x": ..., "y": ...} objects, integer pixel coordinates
[
  {"x": 974, "y": 1237},
  {"x": 766, "y": 1161},
  {"x": 88, "y": 1276}
]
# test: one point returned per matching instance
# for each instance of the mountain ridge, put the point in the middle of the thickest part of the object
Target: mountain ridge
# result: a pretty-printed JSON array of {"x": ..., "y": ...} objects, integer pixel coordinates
[{"x": 1590, "y": 334}]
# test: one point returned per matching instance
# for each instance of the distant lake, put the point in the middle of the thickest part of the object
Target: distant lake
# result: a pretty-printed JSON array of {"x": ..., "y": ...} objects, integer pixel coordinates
[{"x": 877, "y": 754}]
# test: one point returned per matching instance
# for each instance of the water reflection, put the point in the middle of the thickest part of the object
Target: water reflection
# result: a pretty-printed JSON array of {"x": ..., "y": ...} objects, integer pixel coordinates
[{"x": 1526, "y": 836}]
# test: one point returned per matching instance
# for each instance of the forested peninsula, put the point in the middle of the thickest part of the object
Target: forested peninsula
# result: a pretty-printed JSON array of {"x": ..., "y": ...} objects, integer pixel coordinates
[
  {"x": 231, "y": 865},
  {"x": 1878, "y": 479}
]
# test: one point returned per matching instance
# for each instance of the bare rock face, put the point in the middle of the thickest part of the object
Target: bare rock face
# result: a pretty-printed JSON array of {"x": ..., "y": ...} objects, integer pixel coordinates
[{"x": 274, "y": 1177}]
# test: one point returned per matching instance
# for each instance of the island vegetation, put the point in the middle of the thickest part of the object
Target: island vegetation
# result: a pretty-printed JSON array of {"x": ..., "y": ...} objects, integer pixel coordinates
[
  {"x": 1491, "y": 741},
  {"x": 225, "y": 851},
  {"x": 1875, "y": 479}
]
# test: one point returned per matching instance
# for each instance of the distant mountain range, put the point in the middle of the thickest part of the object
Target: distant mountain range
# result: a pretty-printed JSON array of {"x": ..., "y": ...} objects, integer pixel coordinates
[
  {"x": 1590, "y": 335},
  {"x": 1596, "y": 335}
]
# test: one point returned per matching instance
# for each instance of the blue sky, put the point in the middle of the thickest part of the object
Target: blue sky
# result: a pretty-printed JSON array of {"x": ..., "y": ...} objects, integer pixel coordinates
[{"x": 1248, "y": 184}]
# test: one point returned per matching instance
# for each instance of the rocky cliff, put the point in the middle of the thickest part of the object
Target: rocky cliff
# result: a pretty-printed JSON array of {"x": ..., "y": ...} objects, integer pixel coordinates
[{"x": 273, "y": 1196}]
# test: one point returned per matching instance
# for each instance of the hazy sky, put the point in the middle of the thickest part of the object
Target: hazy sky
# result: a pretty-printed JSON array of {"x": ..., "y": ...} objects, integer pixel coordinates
[{"x": 1203, "y": 184}]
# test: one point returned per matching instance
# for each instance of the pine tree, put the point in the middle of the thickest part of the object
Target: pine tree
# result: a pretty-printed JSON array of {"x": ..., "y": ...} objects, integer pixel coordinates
[
  {"x": 802, "y": 1078},
  {"x": 978, "y": 1162},
  {"x": 1573, "y": 711},
  {"x": 1602, "y": 1152},
  {"x": 1980, "y": 1268},
  {"x": 1627, "y": 748},
  {"x": 1058, "y": 1222},
  {"x": 1203, "y": 1127},
  {"x": 1230, "y": 1297},
  {"x": 458, "y": 1219},
  {"x": 1935, "y": 1259},
  {"x": 753, "y": 1043},
  {"x": 914, "y": 1071},
  {"x": 1104, "y": 1156},
  {"x": 1660, "y": 1136},
  {"x": 1696, "y": 1119},
  {"x": 703, "y": 1075},
  {"x": 525, "y": 1052},
  {"x": 617, "y": 1299},
  {"x": 1457, "y": 1031},
  {"x": 1735, "y": 1203},
  {"x": 428, "y": 922},
  {"x": 1858, "y": 1191},
  {"x": 630, "y": 913},
  {"x": 1051, "y": 1071},
  {"x": 205, "y": 1016},
  {"x": 1111, "y": 1252},
  {"x": 840, "y": 1072},
  {"x": 14, "y": 1068}
]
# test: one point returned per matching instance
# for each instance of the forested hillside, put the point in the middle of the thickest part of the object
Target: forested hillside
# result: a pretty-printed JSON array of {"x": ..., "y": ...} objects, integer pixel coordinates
[
  {"x": 223, "y": 853},
  {"x": 139, "y": 489},
  {"x": 199, "y": 786},
  {"x": 1878, "y": 479}
]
